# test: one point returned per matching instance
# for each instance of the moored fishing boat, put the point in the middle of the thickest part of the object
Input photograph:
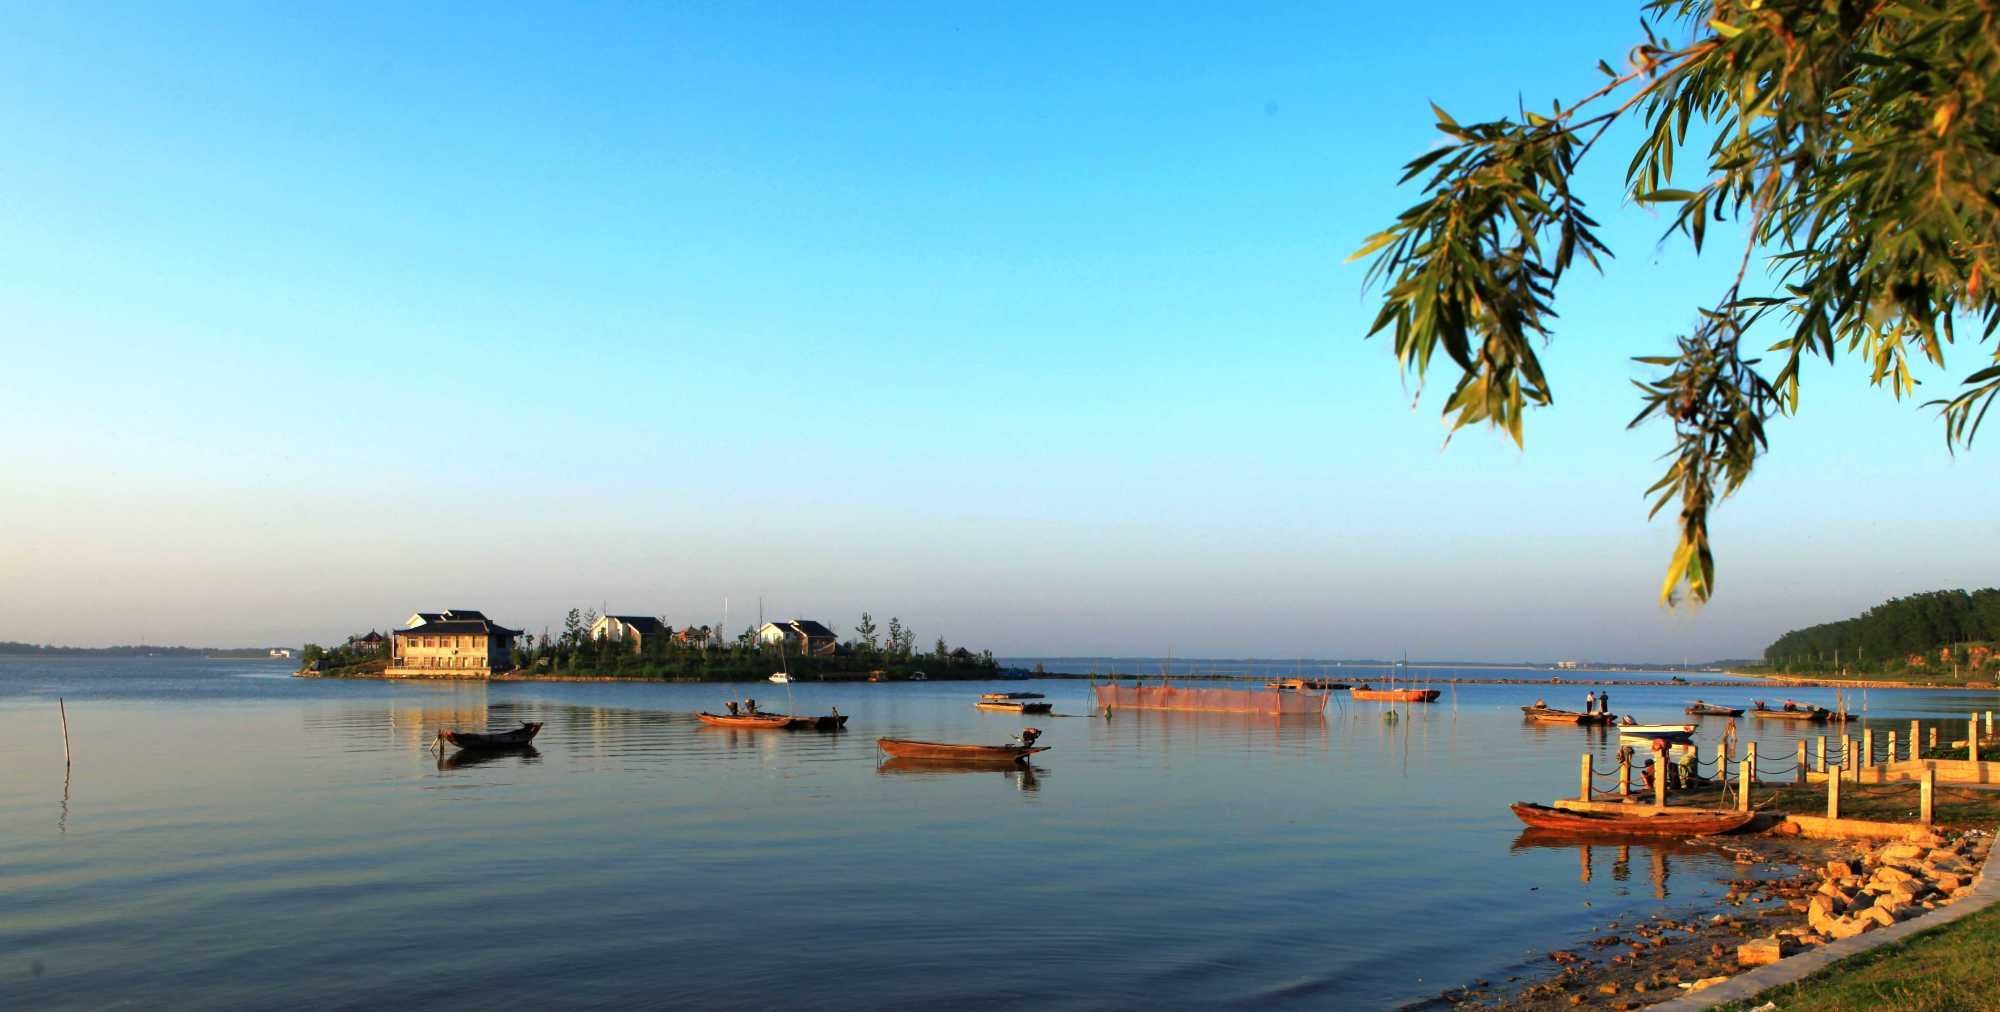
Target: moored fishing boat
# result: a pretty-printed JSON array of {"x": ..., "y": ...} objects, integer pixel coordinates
[
  {"x": 1701, "y": 709},
  {"x": 1793, "y": 711},
  {"x": 904, "y": 748},
  {"x": 1692, "y": 822},
  {"x": 1550, "y": 715},
  {"x": 1015, "y": 705},
  {"x": 498, "y": 739},
  {"x": 1010, "y": 695},
  {"x": 1369, "y": 692},
  {"x": 761, "y": 721}
]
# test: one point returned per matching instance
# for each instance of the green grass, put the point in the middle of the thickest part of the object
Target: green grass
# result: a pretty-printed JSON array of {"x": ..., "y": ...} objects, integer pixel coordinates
[
  {"x": 1953, "y": 807},
  {"x": 1943, "y": 970}
]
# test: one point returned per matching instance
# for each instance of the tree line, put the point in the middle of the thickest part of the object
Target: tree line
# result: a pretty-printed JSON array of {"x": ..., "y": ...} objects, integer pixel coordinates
[
  {"x": 892, "y": 653},
  {"x": 1939, "y": 628}
]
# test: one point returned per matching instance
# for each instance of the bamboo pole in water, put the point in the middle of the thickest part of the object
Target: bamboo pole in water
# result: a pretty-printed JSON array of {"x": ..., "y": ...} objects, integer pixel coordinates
[{"x": 63, "y": 711}]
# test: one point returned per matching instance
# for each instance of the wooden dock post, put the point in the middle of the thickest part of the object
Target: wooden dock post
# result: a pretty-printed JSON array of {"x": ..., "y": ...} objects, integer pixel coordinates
[
  {"x": 1747, "y": 772},
  {"x": 1927, "y": 795},
  {"x": 1833, "y": 790},
  {"x": 1660, "y": 780},
  {"x": 1867, "y": 747},
  {"x": 63, "y": 712},
  {"x": 1913, "y": 739},
  {"x": 1625, "y": 772},
  {"x": 1933, "y": 735},
  {"x": 1972, "y": 738},
  {"x": 1847, "y": 756},
  {"x": 1892, "y": 747},
  {"x": 1800, "y": 775},
  {"x": 1822, "y": 753},
  {"x": 1583, "y": 780},
  {"x": 1989, "y": 723}
]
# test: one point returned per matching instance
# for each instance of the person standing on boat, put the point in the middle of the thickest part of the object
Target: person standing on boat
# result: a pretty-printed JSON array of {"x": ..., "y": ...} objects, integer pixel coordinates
[
  {"x": 1604, "y": 701},
  {"x": 1590, "y": 702},
  {"x": 732, "y": 708},
  {"x": 751, "y": 705}
]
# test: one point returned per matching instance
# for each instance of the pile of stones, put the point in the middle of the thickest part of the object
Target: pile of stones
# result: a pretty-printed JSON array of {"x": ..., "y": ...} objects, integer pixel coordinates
[{"x": 1875, "y": 887}]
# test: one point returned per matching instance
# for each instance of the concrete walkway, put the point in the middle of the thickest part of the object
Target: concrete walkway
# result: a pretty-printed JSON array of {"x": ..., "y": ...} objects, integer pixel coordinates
[{"x": 1981, "y": 894}]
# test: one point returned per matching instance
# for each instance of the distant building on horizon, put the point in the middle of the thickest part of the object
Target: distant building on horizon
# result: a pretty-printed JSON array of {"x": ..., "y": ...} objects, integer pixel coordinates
[
  {"x": 451, "y": 644},
  {"x": 801, "y": 634},
  {"x": 635, "y": 629}
]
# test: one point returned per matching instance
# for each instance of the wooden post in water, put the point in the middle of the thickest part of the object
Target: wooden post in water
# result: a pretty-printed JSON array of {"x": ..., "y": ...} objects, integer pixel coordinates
[
  {"x": 1989, "y": 723},
  {"x": 1583, "y": 780},
  {"x": 1800, "y": 775},
  {"x": 1927, "y": 795},
  {"x": 63, "y": 712},
  {"x": 1913, "y": 739},
  {"x": 1867, "y": 746},
  {"x": 1822, "y": 753},
  {"x": 1746, "y": 773},
  {"x": 1624, "y": 773},
  {"x": 1847, "y": 755},
  {"x": 1660, "y": 780},
  {"x": 1833, "y": 790},
  {"x": 1892, "y": 746}
]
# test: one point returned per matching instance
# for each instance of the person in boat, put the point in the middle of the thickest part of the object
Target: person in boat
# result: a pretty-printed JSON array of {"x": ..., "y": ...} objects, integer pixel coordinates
[
  {"x": 1646, "y": 774},
  {"x": 1699, "y": 705},
  {"x": 1628, "y": 721},
  {"x": 1541, "y": 704},
  {"x": 1604, "y": 701},
  {"x": 1687, "y": 767},
  {"x": 1791, "y": 707},
  {"x": 1759, "y": 704},
  {"x": 732, "y": 708},
  {"x": 1590, "y": 702},
  {"x": 750, "y": 705},
  {"x": 1026, "y": 739}
]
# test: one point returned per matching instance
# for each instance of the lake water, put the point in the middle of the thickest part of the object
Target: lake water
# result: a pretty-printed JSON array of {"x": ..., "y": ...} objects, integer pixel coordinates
[{"x": 230, "y": 837}]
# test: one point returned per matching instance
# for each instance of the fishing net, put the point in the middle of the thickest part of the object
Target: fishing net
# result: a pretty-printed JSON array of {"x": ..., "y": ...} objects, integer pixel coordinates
[{"x": 1175, "y": 697}]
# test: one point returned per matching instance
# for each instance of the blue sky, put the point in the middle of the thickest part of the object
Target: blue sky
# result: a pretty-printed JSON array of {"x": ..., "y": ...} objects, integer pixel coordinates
[{"x": 1031, "y": 326}]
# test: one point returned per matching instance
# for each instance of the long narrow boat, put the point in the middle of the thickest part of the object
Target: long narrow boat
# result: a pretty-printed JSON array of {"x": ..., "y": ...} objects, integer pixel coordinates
[
  {"x": 762, "y": 721},
  {"x": 1689, "y": 823},
  {"x": 1550, "y": 715},
  {"x": 499, "y": 739},
  {"x": 1712, "y": 710},
  {"x": 903, "y": 748},
  {"x": 1015, "y": 705},
  {"x": 1369, "y": 692},
  {"x": 1010, "y": 695},
  {"x": 1671, "y": 732},
  {"x": 1810, "y": 714}
]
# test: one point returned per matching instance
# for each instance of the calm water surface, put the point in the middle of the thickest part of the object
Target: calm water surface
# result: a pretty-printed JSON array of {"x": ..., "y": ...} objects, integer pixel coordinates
[{"x": 231, "y": 837}]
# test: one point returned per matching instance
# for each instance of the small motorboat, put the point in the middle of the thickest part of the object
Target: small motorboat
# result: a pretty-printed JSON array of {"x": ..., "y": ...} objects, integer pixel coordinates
[
  {"x": 1551, "y": 715},
  {"x": 1693, "y": 822},
  {"x": 761, "y": 721},
  {"x": 780, "y": 677},
  {"x": 1701, "y": 709},
  {"x": 1010, "y": 695},
  {"x": 1015, "y": 705},
  {"x": 1647, "y": 732},
  {"x": 903, "y": 748},
  {"x": 498, "y": 739},
  {"x": 1369, "y": 692}
]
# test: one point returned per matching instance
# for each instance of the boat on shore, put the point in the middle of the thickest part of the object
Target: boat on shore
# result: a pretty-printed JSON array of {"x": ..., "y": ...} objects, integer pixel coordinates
[
  {"x": 491, "y": 740},
  {"x": 1693, "y": 822},
  {"x": 1015, "y": 705},
  {"x": 904, "y": 748},
  {"x": 1551, "y": 715},
  {"x": 1370, "y": 693},
  {"x": 1792, "y": 711},
  {"x": 1701, "y": 709}
]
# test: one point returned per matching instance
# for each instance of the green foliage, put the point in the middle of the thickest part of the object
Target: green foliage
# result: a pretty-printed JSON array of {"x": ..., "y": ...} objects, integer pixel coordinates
[
  {"x": 1885, "y": 636},
  {"x": 1858, "y": 145},
  {"x": 576, "y": 653}
]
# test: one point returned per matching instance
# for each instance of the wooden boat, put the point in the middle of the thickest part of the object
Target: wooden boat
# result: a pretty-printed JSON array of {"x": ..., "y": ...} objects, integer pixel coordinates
[
  {"x": 1394, "y": 695},
  {"x": 1697, "y": 822},
  {"x": 1286, "y": 684},
  {"x": 1324, "y": 685},
  {"x": 1672, "y": 732},
  {"x": 761, "y": 721},
  {"x": 1551, "y": 715},
  {"x": 1809, "y": 714},
  {"x": 1010, "y": 695},
  {"x": 1712, "y": 710},
  {"x": 1015, "y": 705},
  {"x": 501, "y": 739},
  {"x": 903, "y": 748}
]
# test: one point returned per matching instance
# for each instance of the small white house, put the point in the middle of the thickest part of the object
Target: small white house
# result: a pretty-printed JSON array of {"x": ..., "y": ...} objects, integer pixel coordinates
[{"x": 634, "y": 629}]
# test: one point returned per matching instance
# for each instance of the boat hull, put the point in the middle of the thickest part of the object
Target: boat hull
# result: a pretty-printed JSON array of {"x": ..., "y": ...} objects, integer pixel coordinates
[
  {"x": 1175, "y": 697},
  {"x": 1014, "y": 706},
  {"x": 502, "y": 739},
  {"x": 774, "y": 721},
  {"x": 1699, "y": 823},
  {"x": 1713, "y": 711},
  {"x": 1805, "y": 716},
  {"x": 1545, "y": 715},
  {"x": 903, "y": 748},
  {"x": 1363, "y": 692}
]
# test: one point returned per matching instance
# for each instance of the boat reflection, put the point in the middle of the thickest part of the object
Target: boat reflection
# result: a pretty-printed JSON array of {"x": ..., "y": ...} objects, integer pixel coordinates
[
  {"x": 1026, "y": 777},
  {"x": 1620, "y": 850},
  {"x": 468, "y": 758}
]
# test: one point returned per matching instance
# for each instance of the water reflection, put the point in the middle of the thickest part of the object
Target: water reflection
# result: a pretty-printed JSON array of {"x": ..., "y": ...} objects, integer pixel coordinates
[
  {"x": 1024, "y": 777},
  {"x": 467, "y": 758},
  {"x": 1619, "y": 849}
]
